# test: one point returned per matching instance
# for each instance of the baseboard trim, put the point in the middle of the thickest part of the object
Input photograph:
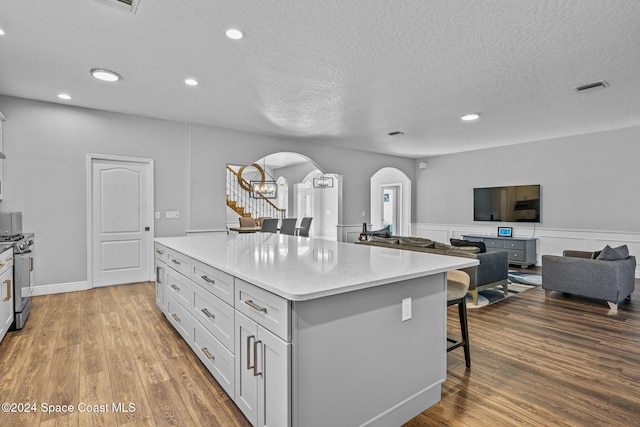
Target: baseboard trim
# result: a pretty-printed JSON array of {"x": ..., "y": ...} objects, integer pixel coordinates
[{"x": 59, "y": 288}]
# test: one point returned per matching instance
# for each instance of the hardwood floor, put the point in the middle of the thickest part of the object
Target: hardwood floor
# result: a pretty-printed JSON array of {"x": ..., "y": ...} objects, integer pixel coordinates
[{"x": 566, "y": 361}]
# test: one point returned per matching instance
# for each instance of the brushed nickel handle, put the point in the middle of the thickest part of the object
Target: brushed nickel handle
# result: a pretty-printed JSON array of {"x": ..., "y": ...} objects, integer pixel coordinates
[
  {"x": 207, "y": 313},
  {"x": 30, "y": 263},
  {"x": 175, "y": 261},
  {"x": 207, "y": 279},
  {"x": 8, "y": 283},
  {"x": 255, "y": 306},
  {"x": 175, "y": 287},
  {"x": 10, "y": 258},
  {"x": 176, "y": 318},
  {"x": 159, "y": 252},
  {"x": 158, "y": 275},
  {"x": 206, "y": 353},
  {"x": 1, "y": 265},
  {"x": 249, "y": 367},
  {"x": 255, "y": 358}
]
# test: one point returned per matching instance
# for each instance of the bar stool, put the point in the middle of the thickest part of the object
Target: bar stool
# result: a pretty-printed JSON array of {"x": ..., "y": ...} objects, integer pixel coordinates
[{"x": 457, "y": 287}]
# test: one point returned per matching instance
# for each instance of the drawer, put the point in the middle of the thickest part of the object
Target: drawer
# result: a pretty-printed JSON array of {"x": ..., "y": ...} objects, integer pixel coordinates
[
  {"x": 493, "y": 243},
  {"x": 214, "y": 314},
  {"x": 6, "y": 260},
  {"x": 179, "y": 262},
  {"x": 514, "y": 244},
  {"x": 265, "y": 308},
  {"x": 179, "y": 287},
  {"x": 161, "y": 253},
  {"x": 180, "y": 318},
  {"x": 213, "y": 280},
  {"x": 218, "y": 360},
  {"x": 516, "y": 256}
]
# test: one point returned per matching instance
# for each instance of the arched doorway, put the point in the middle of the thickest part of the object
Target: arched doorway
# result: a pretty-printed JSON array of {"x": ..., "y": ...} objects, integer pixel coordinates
[{"x": 391, "y": 201}]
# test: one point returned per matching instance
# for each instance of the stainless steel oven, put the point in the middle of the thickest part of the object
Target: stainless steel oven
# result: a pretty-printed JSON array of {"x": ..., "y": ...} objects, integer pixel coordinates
[{"x": 24, "y": 258}]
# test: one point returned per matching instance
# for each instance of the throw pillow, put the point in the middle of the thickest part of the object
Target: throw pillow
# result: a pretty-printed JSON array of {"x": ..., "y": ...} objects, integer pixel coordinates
[
  {"x": 417, "y": 242},
  {"x": 458, "y": 242},
  {"x": 611, "y": 254}
]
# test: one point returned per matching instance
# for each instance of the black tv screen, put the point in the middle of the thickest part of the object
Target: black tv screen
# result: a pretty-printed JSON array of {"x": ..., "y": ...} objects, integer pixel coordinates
[{"x": 517, "y": 203}]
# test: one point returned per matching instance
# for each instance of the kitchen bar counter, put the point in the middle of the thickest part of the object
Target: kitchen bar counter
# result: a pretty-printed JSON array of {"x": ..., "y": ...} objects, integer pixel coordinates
[
  {"x": 310, "y": 332},
  {"x": 300, "y": 268}
]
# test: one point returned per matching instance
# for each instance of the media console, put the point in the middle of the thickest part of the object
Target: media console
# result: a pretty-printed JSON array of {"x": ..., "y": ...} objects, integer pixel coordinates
[{"x": 522, "y": 250}]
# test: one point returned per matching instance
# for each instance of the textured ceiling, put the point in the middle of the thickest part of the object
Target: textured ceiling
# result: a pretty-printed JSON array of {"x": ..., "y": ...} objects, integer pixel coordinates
[{"x": 343, "y": 72}]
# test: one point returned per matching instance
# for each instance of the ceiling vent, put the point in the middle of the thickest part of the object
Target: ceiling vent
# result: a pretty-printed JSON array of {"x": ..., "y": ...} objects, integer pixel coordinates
[
  {"x": 591, "y": 86},
  {"x": 127, "y": 5}
]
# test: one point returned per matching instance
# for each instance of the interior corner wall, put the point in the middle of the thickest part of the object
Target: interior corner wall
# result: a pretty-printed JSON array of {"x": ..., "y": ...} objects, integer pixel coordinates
[
  {"x": 45, "y": 175},
  {"x": 588, "y": 182}
]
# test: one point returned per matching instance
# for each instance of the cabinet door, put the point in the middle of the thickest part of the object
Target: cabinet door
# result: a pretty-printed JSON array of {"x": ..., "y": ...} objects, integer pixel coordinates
[
  {"x": 274, "y": 380},
  {"x": 246, "y": 393},
  {"x": 161, "y": 285},
  {"x": 6, "y": 301}
]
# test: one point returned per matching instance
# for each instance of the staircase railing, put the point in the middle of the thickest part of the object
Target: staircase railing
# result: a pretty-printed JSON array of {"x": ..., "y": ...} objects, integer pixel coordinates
[{"x": 245, "y": 203}]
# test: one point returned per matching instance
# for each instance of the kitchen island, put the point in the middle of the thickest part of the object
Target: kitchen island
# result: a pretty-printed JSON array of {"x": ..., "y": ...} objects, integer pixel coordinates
[{"x": 311, "y": 332}]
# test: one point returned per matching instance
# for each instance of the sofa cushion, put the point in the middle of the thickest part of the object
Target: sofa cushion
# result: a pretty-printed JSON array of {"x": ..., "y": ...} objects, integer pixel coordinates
[
  {"x": 459, "y": 242},
  {"x": 611, "y": 254},
  {"x": 417, "y": 241},
  {"x": 465, "y": 249},
  {"x": 390, "y": 240},
  {"x": 383, "y": 232}
]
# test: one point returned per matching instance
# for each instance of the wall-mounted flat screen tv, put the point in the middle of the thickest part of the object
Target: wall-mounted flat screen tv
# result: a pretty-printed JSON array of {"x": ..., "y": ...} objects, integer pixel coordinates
[{"x": 517, "y": 203}]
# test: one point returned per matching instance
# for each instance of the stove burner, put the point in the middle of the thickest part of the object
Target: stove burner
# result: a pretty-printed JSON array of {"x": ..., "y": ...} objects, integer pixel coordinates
[{"x": 14, "y": 238}]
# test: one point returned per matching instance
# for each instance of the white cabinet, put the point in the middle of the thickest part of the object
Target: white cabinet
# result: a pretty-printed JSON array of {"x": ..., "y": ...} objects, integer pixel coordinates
[
  {"x": 263, "y": 374},
  {"x": 2, "y": 119},
  {"x": 6, "y": 293}
]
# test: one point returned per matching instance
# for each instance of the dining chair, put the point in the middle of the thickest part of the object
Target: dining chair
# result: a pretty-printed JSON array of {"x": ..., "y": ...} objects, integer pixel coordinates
[
  {"x": 247, "y": 221},
  {"x": 288, "y": 226},
  {"x": 270, "y": 225},
  {"x": 305, "y": 226}
]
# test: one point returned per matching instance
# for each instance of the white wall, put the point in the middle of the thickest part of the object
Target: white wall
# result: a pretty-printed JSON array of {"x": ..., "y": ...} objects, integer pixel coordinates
[
  {"x": 45, "y": 174},
  {"x": 589, "y": 182}
]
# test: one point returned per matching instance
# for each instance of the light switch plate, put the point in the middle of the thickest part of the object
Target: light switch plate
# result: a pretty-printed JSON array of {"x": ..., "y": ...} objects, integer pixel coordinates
[
  {"x": 406, "y": 309},
  {"x": 157, "y": 214},
  {"x": 172, "y": 214}
]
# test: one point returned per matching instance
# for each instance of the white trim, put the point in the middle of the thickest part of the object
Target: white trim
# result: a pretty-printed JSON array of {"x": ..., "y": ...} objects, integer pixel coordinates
[
  {"x": 59, "y": 288},
  {"x": 151, "y": 184}
]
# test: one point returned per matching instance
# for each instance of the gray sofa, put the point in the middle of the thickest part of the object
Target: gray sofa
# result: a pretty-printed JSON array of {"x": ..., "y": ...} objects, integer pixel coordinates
[
  {"x": 576, "y": 272},
  {"x": 492, "y": 271}
]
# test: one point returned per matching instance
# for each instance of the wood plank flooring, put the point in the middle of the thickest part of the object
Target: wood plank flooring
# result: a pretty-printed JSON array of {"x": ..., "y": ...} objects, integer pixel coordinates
[{"x": 563, "y": 362}]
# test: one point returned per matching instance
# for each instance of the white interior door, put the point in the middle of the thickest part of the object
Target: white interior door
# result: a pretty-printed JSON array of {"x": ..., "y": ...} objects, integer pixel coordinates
[
  {"x": 120, "y": 221},
  {"x": 390, "y": 205}
]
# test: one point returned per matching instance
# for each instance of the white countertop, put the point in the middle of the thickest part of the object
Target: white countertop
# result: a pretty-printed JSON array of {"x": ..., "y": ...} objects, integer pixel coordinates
[{"x": 301, "y": 268}]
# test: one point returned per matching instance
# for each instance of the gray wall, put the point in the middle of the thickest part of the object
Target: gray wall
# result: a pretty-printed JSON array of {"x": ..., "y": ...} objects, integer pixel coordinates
[
  {"x": 45, "y": 173},
  {"x": 589, "y": 182}
]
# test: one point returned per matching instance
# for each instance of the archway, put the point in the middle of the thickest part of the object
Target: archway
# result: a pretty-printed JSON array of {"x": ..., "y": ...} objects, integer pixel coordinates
[{"x": 391, "y": 201}]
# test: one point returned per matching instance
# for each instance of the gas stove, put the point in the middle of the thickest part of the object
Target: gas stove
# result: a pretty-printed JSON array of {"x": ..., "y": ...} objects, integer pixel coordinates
[{"x": 21, "y": 242}]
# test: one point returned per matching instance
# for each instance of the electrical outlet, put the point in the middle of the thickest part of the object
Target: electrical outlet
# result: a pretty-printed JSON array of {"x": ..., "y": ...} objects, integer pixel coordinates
[
  {"x": 406, "y": 309},
  {"x": 172, "y": 214},
  {"x": 158, "y": 215}
]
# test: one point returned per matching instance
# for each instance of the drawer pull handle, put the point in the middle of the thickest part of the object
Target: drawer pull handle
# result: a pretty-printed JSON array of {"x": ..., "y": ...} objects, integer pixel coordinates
[
  {"x": 8, "y": 283},
  {"x": 10, "y": 258},
  {"x": 255, "y": 358},
  {"x": 176, "y": 318},
  {"x": 207, "y": 313},
  {"x": 206, "y": 353},
  {"x": 175, "y": 287},
  {"x": 175, "y": 261},
  {"x": 255, "y": 306},
  {"x": 249, "y": 367},
  {"x": 159, "y": 252},
  {"x": 1, "y": 265},
  {"x": 207, "y": 279}
]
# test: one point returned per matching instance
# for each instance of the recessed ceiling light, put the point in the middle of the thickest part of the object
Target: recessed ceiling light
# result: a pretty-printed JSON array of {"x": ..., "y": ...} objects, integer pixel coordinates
[
  {"x": 469, "y": 117},
  {"x": 105, "y": 75},
  {"x": 191, "y": 82},
  {"x": 64, "y": 96},
  {"x": 234, "y": 34}
]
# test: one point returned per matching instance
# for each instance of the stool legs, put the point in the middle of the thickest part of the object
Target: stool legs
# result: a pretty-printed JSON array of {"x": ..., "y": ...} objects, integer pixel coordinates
[{"x": 464, "y": 329}]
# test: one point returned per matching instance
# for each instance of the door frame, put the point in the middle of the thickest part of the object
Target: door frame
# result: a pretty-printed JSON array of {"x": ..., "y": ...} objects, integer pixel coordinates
[
  {"x": 398, "y": 221},
  {"x": 123, "y": 159}
]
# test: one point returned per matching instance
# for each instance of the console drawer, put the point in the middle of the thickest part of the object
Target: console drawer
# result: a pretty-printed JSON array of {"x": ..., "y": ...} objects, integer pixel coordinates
[
  {"x": 267, "y": 309},
  {"x": 214, "y": 314},
  {"x": 213, "y": 280},
  {"x": 179, "y": 287},
  {"x": 493, "y": 243},
  {"x": 516, "y": 256},
  {"x": 218, "y": 360},
  {"x": 514, "y": 244}
]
